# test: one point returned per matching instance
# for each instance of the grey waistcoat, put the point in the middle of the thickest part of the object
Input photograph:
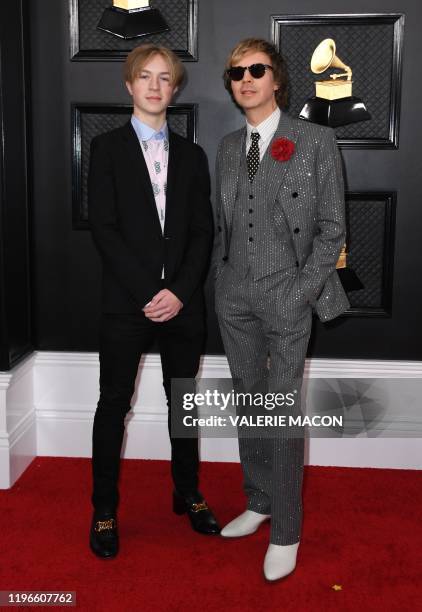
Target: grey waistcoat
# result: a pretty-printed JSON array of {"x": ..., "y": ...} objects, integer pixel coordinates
[{"x": 257, "y": 245}]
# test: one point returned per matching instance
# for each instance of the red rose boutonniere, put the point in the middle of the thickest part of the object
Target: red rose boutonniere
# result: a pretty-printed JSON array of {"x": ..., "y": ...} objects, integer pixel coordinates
[{"x": 282, "y": 149}]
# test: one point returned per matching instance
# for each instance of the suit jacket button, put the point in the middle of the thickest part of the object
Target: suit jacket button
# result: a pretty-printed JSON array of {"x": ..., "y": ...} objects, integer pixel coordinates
[
  {"x": 251, "y": 197},
  {"x": 296, "y": 264},
  {"x": 296, "y": 230},
  {"x": 295, "y": 194},
  {"x": 225, "y": 258},
  {"x": 219, "y": 228}
]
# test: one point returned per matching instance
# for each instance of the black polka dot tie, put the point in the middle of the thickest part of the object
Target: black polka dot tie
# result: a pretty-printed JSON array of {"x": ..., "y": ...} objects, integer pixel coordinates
[{"x": 252, "y": 157}]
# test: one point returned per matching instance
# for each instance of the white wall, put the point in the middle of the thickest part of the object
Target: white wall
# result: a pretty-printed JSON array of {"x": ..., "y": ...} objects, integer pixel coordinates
[{"x": 47, "y": 405}]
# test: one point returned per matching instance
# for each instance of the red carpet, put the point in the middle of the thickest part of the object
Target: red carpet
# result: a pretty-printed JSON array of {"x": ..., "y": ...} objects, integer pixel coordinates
[{"x": 362, "y": 531}]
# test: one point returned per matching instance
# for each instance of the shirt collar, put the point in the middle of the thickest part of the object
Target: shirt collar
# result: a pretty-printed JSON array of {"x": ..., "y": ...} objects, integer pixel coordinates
[
  {"x": 266, "y": 128},
  {"x": 145, "y": 132}
]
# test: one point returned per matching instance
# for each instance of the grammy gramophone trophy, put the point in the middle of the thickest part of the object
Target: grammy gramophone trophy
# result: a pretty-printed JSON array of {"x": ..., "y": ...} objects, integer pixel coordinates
[
  {"x": 333, "y": 104},
  {"x": 132, "y": 18},
  {"x": 348, "y": 277}
]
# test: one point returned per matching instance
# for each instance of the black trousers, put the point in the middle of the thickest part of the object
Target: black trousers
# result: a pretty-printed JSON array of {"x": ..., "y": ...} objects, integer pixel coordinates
[{"x": 123, "y": 339}]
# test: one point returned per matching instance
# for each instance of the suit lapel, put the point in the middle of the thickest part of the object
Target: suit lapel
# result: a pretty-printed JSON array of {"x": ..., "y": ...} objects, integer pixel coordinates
[
  {"x": 173, "y": 175},
  {"x": 141, "y": 173},
  {"x": 230, "y": 174},
  {"x": 276, "y": 170}
]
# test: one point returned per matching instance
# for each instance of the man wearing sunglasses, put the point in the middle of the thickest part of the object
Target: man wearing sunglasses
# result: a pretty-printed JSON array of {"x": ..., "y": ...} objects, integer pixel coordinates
[{"x": 280, "y": 229}]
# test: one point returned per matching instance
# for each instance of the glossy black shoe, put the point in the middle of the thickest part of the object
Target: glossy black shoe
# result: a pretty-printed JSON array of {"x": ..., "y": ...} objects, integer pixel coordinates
[
  {"x": 200, "y": 516},
  {"x": 103, "y": 537}
]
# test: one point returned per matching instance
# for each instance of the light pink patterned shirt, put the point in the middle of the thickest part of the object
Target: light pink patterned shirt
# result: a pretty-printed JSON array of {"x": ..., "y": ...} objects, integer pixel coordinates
[{"x": 155, "y": 147}]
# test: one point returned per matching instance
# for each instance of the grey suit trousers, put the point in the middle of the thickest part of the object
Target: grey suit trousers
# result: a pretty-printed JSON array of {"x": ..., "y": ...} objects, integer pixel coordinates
[{"x": 268, "y": 317}]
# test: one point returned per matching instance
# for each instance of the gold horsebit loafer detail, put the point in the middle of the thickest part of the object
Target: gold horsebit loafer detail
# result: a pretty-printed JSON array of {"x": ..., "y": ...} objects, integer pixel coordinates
[
  {"x": 105, "y": 525},
  {"x": 199, "y": 507}
]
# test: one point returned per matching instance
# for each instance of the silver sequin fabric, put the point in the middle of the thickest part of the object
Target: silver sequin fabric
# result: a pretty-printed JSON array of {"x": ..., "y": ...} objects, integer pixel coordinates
[
  {"x": 267, "y": 287},
  {"x": 308, "y": 192}
]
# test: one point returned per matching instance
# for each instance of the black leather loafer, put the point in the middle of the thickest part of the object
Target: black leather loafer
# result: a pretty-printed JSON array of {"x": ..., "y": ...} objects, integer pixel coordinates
[
  {"x": 200, "y": 516},
  {"x": 103, "y": 537}
]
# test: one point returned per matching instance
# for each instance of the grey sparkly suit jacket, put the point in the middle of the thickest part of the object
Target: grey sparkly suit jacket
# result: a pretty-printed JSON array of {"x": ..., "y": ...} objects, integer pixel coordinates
[{"x": 308, "y": 191}]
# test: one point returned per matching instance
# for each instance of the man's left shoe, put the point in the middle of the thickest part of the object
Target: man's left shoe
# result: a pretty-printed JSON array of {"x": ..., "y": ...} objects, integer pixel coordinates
[
  {"x": 200, "y": 516},
  {"x": 245, "y": 524},
  {"x": 280, "y": 561}
]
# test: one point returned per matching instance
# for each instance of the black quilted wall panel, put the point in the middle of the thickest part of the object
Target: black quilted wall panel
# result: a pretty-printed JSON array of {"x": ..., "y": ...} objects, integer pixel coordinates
[
  {"x": 89, "y": 43},
  {"x": 370, "y": 46},
  {"x": 370, "y": 247},
  {"x": 382, "y": 164}
]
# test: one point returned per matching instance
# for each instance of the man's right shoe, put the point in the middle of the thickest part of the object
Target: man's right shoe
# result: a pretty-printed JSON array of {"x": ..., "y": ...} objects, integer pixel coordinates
[
  {"x": 244, "y": 524},
  {"x": 103, "y": 536}
]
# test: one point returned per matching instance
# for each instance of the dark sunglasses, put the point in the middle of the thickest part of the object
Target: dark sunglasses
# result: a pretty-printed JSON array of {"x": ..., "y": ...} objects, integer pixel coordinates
[{"x": 257, "y": 71}]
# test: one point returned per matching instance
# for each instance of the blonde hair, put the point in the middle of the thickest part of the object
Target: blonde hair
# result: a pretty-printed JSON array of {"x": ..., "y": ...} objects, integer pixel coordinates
[
  {"x": 249, "y": 45},
  {"x": 139, "y": 56}
]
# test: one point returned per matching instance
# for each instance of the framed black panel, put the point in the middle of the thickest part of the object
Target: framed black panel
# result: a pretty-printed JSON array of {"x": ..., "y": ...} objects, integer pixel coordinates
[
  {"x": 372, "y": 45},
  {"x": 87, "y": 43},
  {"x": 16, "y": 330},
  {"x": 370, "y": 247},
  {"x": 89, "y": 120}
]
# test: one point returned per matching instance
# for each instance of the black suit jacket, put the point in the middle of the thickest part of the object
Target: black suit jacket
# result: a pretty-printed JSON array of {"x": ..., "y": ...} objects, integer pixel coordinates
[{"x": 126, "y": 228}]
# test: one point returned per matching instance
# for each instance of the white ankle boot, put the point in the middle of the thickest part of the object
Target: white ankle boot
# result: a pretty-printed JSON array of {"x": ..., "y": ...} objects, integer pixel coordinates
[
  {"x": 244, "y": 524},
  {"x": 280, "y": 561}
]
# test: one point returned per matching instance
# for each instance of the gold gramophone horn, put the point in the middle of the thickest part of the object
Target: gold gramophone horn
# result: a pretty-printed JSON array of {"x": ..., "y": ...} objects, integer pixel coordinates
[{"x": 325, "y": 57}]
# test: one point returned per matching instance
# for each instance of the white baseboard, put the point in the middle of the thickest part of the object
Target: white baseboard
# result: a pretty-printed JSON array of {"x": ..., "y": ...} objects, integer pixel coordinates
[
  {"x": 47, "y": 405},
  {"x": 17, "y": 422}
]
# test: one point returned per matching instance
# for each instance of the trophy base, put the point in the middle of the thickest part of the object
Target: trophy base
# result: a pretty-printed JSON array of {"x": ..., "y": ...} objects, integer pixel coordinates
[
  {"x": 334, "y": 113},
  {"x": 132, "y": 24},
  {"x": 349, "y": 279}
]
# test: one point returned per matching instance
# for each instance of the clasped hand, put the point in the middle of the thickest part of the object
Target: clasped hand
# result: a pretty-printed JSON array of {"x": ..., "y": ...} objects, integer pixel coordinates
[{"x": 163, "y": 306}]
